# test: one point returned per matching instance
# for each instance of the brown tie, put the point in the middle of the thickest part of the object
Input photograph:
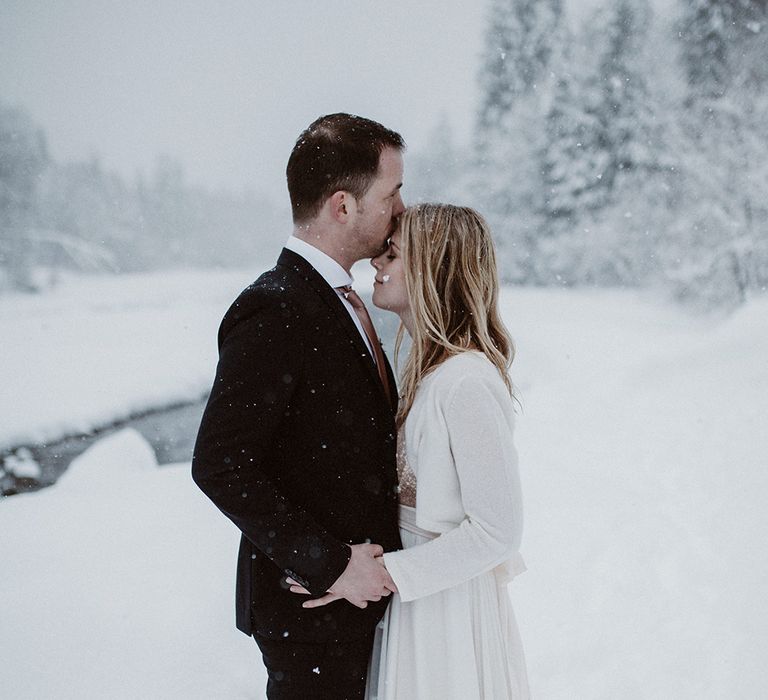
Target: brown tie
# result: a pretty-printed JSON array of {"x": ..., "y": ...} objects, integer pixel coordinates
[{"x": 362, "y": 313}]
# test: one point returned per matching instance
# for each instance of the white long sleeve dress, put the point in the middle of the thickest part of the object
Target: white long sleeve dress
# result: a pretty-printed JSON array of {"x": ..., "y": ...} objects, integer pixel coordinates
[{"x": 451, "y": 633}]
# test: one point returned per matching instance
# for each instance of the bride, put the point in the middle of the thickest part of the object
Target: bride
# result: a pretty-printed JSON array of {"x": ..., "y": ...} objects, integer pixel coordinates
[{"x": 450, "y": 632}]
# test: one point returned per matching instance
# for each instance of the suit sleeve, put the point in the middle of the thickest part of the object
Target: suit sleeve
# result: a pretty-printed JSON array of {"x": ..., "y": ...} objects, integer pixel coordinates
[
  {"x": 260, "y": 366},
  {"x": 486, "y": 464}
]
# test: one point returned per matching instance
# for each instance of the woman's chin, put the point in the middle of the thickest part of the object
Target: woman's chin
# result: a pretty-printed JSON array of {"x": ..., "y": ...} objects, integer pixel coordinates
[{"x": 380, "y": 302}]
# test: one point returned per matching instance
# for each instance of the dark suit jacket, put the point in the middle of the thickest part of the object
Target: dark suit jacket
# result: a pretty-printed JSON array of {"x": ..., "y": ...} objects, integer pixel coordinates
[{"x": 297, "y": 447}]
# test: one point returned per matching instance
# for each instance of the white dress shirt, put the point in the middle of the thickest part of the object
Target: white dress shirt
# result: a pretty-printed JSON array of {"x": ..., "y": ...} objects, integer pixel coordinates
[{"x": 334, "y": 274}]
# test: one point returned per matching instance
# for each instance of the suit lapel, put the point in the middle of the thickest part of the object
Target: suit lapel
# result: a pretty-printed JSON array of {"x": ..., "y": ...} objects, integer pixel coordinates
[{"x": 331, "y": 297}]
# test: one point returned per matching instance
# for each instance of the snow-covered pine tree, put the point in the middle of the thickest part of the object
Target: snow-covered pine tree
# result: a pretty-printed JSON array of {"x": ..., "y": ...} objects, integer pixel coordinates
[
  {"x": 627, "y": 110},
  {"x": 718, "y": 39},
  {"x": 519, "y": 44},
  {"x": 603, "y": 169},
  {"x": 23, "y": 158},
  {"x": 704, "y": 30},
  {"x": 639, "y": 165},
  {"x": 514, "y": 78},
  {"x": 573, "y": 159},
  {"x": 575, "y": 153},
  {"x": 724, "y": 51}
]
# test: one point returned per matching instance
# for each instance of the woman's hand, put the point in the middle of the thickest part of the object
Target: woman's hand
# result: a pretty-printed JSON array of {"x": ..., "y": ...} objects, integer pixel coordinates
[{"x": 315, "y": 602}]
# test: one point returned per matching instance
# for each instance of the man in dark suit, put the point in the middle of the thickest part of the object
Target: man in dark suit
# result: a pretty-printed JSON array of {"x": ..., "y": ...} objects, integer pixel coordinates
[{"x": 297, "y": 442}]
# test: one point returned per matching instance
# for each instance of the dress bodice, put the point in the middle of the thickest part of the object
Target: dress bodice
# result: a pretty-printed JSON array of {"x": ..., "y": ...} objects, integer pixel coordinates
[{"x": 406, "y": 479}]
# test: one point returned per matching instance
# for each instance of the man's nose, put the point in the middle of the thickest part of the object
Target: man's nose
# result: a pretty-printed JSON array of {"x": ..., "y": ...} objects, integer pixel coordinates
[{"x": 399, "y": 207}]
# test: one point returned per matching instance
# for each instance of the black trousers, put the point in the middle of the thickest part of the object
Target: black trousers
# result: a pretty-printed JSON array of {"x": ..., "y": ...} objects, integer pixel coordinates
[{"x": 331, "y": 671}]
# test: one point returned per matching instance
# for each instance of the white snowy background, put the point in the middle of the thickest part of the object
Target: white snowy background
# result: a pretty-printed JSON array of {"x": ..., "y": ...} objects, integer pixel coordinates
[
  {"x": 643, "y": 449},
  {"x": 618, "y": 148}
]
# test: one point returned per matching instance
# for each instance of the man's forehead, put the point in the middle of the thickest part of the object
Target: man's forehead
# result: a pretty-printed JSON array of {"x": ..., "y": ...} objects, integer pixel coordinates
[{"x": 391, "y": 160}]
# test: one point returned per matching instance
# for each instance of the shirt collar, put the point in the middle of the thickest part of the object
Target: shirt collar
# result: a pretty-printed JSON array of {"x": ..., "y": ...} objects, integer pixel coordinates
[{"x": 333, "y": 273}]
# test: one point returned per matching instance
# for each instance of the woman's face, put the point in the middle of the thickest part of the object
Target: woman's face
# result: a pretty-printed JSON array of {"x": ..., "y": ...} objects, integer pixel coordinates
[{"x": 389, "y": 289}]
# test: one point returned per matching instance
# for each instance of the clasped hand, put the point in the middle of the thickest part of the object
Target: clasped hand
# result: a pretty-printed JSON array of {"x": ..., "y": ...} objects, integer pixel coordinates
[{"x": 365, "y": 580}]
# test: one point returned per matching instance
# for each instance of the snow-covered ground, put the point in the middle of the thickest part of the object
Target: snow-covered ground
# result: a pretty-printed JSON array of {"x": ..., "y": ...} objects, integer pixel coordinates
[
  {"x": 644, "y": 460},
  {"x": 98, "y": 349},
  {"x": 644, "y": 448},
  {"x": 117, "y": 583}
]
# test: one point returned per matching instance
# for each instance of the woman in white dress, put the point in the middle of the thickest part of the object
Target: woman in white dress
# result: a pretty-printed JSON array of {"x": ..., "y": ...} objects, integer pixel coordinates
[{"x": 450, "y": 632}]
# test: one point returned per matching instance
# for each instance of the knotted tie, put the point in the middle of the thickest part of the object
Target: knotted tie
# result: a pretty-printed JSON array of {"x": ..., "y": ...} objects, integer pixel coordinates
[{"x": 362, "y": 313}]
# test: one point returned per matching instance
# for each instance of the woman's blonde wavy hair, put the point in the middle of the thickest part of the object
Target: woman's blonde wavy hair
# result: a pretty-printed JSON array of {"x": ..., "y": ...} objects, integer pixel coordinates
[{"x": 453, "y": 289}]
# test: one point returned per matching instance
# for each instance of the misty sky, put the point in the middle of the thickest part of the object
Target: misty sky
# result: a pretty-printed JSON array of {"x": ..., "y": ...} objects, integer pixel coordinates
[{"x": 226, "y": 87}]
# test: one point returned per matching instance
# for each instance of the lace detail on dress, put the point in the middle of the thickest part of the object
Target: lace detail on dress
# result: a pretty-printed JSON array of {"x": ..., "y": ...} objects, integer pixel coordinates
[{"x": 406, "y": 479}]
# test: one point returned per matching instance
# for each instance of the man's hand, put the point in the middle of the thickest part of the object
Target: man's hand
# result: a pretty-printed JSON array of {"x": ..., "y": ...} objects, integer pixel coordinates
[{"x": 365, "y": 579}]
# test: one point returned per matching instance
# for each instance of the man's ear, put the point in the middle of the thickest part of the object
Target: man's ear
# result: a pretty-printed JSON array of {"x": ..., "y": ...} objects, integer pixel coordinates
[{"x": 342, "y": 206}]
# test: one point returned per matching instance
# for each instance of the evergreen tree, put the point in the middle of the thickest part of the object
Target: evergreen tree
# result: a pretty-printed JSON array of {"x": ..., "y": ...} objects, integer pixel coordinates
[
  {"x": 640, "y": 168},
  {"x": 718, "y": 39},
  {"x": 704, "y": 30},
  {"x": 519, "y": 44},
  {"x": 576, "y": 153},
  {"x": 23, "y": 158},
  {"x": 725, "y": 140},
  {"x": 627, "y": 114},
  {"x": 515, "y": 82},
  {"x": 602, "y": 156}
]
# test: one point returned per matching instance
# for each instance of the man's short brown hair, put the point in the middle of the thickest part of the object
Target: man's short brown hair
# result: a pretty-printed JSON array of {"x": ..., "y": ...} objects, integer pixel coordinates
[{"x": 335, "y": 152}]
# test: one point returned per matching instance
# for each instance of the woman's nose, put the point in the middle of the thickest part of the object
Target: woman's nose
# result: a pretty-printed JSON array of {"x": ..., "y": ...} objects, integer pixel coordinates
[{"x": 375, "y": 262}]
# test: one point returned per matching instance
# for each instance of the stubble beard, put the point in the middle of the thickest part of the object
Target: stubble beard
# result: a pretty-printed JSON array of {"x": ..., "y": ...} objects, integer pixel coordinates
[{"x": 371, "y": 249}]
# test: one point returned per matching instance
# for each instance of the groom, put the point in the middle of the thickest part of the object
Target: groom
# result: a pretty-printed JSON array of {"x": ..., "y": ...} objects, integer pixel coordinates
[{"x": 297, "y": 442}]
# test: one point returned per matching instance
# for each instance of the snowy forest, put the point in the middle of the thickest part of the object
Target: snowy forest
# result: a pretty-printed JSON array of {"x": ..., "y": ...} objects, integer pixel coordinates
[
  {"x": 631, "y": 150},
  {"x": 80, "y": 216},
  {"x": 619, "y": 149}
]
